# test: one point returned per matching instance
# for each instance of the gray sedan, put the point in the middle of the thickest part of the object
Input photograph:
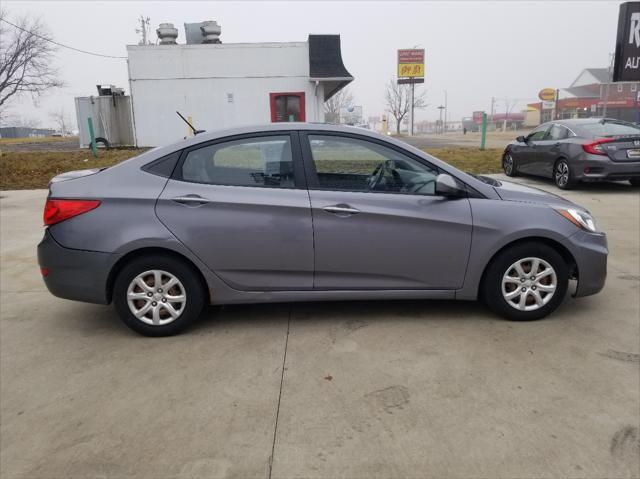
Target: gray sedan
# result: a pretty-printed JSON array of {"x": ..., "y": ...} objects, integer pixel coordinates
[
  {"x": 304, "y": 212},
  {"x": 571, "y": 151}
]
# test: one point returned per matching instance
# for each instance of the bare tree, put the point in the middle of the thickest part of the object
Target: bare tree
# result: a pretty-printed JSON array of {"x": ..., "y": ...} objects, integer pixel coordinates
[
  {"x": 398, "y": 99},
  {"x": 334, "y": 105},
  {"x": 25, "y": 58},
  {"x": 60, "y": 119}
]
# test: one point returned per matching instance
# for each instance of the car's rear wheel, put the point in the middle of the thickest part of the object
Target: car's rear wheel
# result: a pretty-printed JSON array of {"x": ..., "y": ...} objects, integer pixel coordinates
[
  {"x": 158, "y": 295},
  {"x": 509, "y": 166},
  {"x": 635, "y": 181},
  {"x": 562, "y": 175},
  {"x": 525, "y": 282}
]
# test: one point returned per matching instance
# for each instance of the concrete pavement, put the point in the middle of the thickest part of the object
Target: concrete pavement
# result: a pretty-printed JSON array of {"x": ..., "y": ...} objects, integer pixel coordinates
[{"x": 346, "y": 389}]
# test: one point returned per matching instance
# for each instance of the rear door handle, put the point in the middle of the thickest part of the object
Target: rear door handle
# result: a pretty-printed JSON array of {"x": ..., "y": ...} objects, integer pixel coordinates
[
  {"x": 341, "y": 210},
  {"x": 191, "y": 200}
]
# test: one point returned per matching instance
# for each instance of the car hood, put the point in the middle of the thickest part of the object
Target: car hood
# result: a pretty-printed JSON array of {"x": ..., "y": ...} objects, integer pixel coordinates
[{"x": 514, "y": 192}]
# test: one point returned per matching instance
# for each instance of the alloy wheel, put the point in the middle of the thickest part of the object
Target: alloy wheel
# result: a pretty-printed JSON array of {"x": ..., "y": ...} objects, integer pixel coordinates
[
  {"x": 562, "y": 174},
  {"x": 156, "y": 297},
  {"x": 529, "y": 284},
  {"x": 508, "y": 165}
]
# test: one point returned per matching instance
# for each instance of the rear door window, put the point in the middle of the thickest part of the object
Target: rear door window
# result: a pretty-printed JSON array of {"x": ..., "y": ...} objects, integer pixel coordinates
[
  {"x": 557, "y": 132},
  {"x": 264, "y": 161}
]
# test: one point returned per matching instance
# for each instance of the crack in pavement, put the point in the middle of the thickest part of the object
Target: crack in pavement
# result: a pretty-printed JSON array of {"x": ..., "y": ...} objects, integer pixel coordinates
[{"x": 284, "y": 361}]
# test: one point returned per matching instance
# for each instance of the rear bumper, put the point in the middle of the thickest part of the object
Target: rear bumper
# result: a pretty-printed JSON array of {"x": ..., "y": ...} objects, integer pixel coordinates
[
  {"x": 75, "y": 274},
  {"x": 598, "y": 168},
  {"x": 590, "y": 252}
]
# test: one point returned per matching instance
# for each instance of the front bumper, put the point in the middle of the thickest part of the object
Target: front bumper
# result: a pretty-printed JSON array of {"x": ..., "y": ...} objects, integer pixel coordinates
[
  {"x": 75, "y": 274},
  {"x": 598, "y": 168},
  {"x": 590, "y": 252}
]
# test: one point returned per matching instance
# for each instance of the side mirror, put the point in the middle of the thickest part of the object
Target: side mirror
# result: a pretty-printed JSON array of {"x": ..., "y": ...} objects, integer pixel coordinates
[
  {"x": 446, "y": 185},
  {"x": 521, "y": 139}
]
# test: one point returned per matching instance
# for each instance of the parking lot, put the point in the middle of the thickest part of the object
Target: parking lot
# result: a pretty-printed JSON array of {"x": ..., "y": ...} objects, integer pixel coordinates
[{"x": 345, "y": 389}]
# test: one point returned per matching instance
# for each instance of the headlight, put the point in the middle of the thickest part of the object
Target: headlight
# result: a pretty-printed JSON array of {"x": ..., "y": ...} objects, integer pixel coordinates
[{"x": 581, "y": 219}]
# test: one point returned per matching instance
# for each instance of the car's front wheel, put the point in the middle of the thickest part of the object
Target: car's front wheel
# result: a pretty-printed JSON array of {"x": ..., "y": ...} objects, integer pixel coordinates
[
  {"x": 562, "y": 175},
  {"x": 158, "y": 295},
  {"x": 525, "y": 282},
  {"x": 508, "y": 165}
]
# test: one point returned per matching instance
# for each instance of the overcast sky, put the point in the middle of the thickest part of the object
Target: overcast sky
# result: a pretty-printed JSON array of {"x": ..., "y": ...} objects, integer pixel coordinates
[{"x": 474, "y": 50}]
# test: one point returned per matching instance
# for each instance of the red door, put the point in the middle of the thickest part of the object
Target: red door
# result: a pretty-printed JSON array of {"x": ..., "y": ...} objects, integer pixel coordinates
[{"x": 287, "y": 107}]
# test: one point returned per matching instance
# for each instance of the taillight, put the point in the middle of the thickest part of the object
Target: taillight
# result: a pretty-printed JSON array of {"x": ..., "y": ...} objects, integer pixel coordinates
[
  {"x": 595, "y": 147},
  {"x": 56, "y": 211}
]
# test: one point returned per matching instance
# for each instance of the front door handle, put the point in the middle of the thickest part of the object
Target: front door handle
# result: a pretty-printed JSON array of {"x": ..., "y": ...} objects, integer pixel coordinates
[
  {"x": 341, "y": 210},
  {"x": 191, "y": 200}
]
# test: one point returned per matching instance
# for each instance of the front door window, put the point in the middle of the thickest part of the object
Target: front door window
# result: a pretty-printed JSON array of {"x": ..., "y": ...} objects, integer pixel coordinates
[{"x": 287, "y": 107}]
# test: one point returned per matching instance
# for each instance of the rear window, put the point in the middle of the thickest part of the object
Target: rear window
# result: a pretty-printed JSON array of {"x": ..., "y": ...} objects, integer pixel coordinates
[{"x": 610, "y": 128}]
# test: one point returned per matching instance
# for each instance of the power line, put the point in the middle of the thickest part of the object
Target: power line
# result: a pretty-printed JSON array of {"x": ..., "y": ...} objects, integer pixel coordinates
[{"x": 60, "y": 44}]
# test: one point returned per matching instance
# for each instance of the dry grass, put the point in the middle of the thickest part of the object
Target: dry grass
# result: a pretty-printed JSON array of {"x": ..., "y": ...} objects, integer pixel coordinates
[
  {"x": 34, "y": 169},
  {"x": 41, "y": 139},
  {"x": 471, "y": 160},
  {"x": 27, "y": 170}
]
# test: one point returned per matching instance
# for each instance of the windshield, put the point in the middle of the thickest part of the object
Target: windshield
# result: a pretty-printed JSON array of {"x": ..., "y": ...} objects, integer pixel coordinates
[{"x": 611, "y": 128}]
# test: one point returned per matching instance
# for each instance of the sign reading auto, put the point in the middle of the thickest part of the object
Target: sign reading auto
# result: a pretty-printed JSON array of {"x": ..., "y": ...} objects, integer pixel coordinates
[
  {"x": 627, "y": 58},
  {"x": 411, "y": 66}
]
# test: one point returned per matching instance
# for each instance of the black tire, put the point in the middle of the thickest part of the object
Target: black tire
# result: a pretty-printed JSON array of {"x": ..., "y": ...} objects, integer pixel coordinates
[
  {"x": 102, "y": 141},
  {"x": 509, "y": 165},
  {"x": 194, "y": 292},
  {"x": 491, "y": 288},
  {"x": 635, "y": 181},
  {"x": 562, "y": 175}
]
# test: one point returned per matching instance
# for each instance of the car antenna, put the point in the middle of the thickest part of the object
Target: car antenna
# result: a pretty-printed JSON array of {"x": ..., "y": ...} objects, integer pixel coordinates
[{"x": 195, "y": 132}]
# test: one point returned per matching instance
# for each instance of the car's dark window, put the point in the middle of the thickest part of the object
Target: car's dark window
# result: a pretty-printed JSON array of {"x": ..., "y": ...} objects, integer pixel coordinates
[
  {"x": 163, "y": 166},
  {"x": 611, "y": 128},
  {"x": 557, "y": 132},
  {"x": 351, "y": 164},
  {"x": 538, "y": 134},
  {"x": 263, "y": 161}
]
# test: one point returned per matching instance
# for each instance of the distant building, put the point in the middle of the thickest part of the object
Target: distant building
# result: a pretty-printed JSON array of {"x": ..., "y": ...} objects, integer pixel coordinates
[
  {"x": 24, "y": 132},
  {"x": 586, "y": 97},
  {"x": 220, "y": 85}
]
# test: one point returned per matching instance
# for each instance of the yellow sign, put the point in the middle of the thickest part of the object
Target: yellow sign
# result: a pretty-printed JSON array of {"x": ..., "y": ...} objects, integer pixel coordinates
[
  {"x": 411, "y": 70},
  {"x": 547, "y": 94}
]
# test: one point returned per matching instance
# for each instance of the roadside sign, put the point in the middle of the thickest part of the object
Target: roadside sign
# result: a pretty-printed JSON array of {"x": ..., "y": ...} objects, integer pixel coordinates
[
  {"x": 477, "y": 116},
  {"x": 547, "y": 94},
  {"x": 411, "y": 66},
  {"x": 548, "y": 105},
  {"x": 627, "y": 57}
]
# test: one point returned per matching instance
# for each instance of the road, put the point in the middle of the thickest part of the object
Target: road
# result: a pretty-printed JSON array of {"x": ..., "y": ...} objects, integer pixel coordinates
[{"x": 345, "y": 389}]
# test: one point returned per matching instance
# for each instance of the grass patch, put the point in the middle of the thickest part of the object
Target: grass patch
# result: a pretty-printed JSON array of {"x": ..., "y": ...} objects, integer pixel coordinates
[
  {"x": 34, "y": 169},
  {"x": 470, "y": 160}
]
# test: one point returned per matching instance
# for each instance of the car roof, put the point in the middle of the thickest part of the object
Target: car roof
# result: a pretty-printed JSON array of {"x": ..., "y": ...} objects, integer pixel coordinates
[{"x": 586, "y": 121}]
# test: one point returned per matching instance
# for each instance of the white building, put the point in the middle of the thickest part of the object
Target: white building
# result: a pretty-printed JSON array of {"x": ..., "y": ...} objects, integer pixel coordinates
[{"x": 220, "y": 85}]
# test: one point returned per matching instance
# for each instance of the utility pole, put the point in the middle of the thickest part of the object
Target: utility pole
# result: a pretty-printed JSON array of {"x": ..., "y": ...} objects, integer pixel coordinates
[
  {"x": 411, "y": 117},
  {"x": 606, "y": 92},
  {"x": 445, "y": 111},
  {"x": 441, "y": 107}
]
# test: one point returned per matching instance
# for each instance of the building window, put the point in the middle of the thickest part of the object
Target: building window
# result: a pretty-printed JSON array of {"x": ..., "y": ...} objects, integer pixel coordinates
[
  {"x": 287, "y": 107},
  {"x": 634, "y": 87},
  {"x": 620, "y": 88}
]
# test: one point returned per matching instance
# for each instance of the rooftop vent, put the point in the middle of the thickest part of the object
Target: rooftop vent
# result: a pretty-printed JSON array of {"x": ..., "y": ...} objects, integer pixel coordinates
[
  {"x": 203, "y": 32},
  {"x": 167, "y": 34}
]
